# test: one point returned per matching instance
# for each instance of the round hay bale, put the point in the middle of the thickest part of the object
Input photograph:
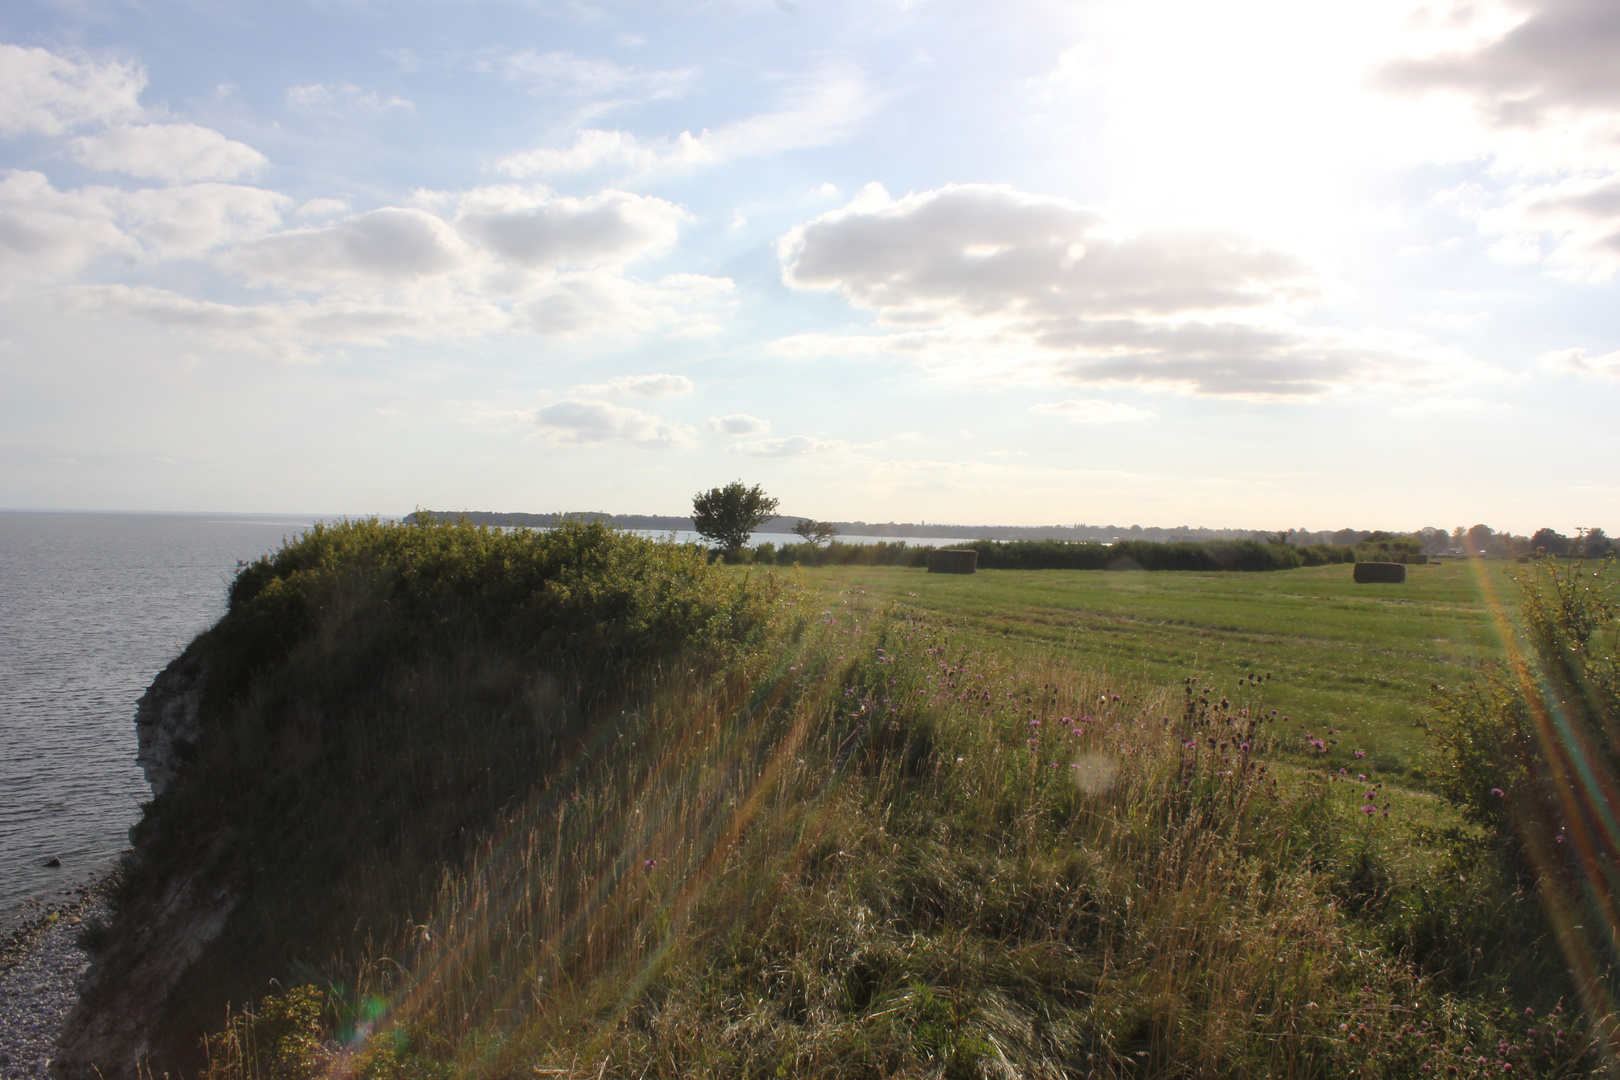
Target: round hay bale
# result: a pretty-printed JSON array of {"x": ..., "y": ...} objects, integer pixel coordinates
[
  {"x": 953, "y": 561},
  {"x": 1388, "y": 573}
]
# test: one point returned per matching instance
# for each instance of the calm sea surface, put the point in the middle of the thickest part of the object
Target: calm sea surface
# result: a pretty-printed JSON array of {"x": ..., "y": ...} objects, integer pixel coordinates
[{"x": 92, "y": 606}]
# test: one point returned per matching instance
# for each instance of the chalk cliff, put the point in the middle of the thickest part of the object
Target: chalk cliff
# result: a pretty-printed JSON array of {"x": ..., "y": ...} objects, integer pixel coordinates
[{"x": 126, "y": 991}]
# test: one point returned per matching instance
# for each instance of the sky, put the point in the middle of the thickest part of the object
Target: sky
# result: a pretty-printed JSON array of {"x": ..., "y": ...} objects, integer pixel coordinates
[{"x": 1260, "y": 264}]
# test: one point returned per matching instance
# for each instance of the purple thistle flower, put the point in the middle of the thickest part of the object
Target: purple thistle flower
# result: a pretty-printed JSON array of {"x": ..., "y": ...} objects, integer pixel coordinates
[{"x": 1498, "y": 792}]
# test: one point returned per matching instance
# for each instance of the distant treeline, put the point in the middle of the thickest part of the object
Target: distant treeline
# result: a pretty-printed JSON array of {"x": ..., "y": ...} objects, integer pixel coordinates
[
  {"x": 1250, "y": 555},
  {"x": 900, "y": 529},
  {"x": 1349, "y": 544}
]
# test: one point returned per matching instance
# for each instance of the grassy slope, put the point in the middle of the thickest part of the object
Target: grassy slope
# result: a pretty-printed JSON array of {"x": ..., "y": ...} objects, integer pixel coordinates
[{"x": 1359, "y": 658}]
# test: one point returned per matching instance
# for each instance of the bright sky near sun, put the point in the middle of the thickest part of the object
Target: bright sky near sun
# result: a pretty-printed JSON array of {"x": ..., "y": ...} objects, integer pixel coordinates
[{"x": 1257, "y": 264}]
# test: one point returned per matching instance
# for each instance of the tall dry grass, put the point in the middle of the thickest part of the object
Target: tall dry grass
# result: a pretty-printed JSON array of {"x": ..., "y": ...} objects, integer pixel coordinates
[{"x": 873, "y": 856}]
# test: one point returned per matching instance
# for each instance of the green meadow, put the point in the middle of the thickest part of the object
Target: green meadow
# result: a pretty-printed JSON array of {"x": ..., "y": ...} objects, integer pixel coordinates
[{"x": 1359, "y": 659}]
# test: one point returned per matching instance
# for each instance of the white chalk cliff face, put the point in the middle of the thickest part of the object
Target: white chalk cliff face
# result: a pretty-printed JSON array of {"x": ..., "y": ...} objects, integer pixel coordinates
[
  {"x": 154, "y": 940},
  {"x": 167, "y": 726}
]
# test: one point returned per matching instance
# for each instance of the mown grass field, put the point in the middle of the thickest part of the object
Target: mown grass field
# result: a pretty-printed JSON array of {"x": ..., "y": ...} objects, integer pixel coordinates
[{"x": 1359, "y": 659}]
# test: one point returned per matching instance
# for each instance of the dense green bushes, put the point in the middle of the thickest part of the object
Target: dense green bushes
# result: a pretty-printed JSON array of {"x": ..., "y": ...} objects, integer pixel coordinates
[
  {"x": 376, "y": 696},
  {"x": 1528, "y": 753}
]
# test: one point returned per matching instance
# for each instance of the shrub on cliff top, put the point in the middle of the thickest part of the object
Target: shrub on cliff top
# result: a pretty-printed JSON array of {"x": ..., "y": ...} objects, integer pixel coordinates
[{"x": 374, "y": 698}]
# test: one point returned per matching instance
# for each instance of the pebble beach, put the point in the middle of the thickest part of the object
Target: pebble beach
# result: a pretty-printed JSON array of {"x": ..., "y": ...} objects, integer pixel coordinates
[{"x": 41, "y": 964}]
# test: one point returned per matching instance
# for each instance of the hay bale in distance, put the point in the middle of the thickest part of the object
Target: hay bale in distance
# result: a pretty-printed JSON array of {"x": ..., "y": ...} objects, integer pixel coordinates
[
  {"x": 953, "y": 561},
  {"x": 1391, "y": 573}
]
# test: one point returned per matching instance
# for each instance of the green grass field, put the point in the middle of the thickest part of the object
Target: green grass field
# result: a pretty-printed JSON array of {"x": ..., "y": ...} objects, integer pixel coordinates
[{"x": 1357, "y": 658}]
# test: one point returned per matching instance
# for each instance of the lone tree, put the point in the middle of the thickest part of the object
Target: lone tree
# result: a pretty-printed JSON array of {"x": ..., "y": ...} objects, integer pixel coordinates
[
  {"x": 816, "y": 532},
  {"x": 726, "y": 516}
]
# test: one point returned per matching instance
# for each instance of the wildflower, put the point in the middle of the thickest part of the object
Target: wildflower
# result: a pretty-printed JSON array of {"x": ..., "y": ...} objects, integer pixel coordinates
[
  {"x": 1243, "y": 747},
  {"x": 1558, "y": 839},
  {"x": 1342, "y": 772},
  {"x": 1361, "y": 777},
  {"x": 1529, "y": 1011},
  {"x": 1361, "y": 753},
  {"x": 1498, "y": 792}
]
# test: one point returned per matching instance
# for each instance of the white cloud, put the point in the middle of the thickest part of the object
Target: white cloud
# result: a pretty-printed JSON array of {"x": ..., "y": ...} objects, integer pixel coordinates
[
  {"x": 1093, "y": 411},
  {"x": 588, "y": 422},
  {"x": 737, "y": 424},
  {"x": 1445, "y": 406},
  {"x": 1576, "y": 362},
  {"x": 648, "y": 386},
  {"x": 978, "y": 250},
  {"x": 504, "y": 259},
  {"x": 1540, "y": 88},
  {"x": 391, "y": 245},
  {"x": 609, "y": 305},
  {"x": 321, "y": 98},
  {"x": 319, "y": 208},
  {"x": 45, "y": 233},
  {"x": 293, "y": 330},
  {"x": 175, "y": 153},
  {"x": 984, "y": 279},
  {"x": 1571, "y": 225},
  {"x": 817, "y": 111},
  {"x": 194, "y": 218},
  {"x": 41, "y": 91},
  {"x": 618, "y": 152},
  {"x": 1521, "y": 61},
  {"x": 568, "y": 74},
  {"x": 535, "y": 228},
  {"x": 793, "y": 446}
]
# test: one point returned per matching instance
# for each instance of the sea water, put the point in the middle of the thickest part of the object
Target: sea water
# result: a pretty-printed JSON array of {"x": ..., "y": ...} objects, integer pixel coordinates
[{"x": 92, "y": 607}]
